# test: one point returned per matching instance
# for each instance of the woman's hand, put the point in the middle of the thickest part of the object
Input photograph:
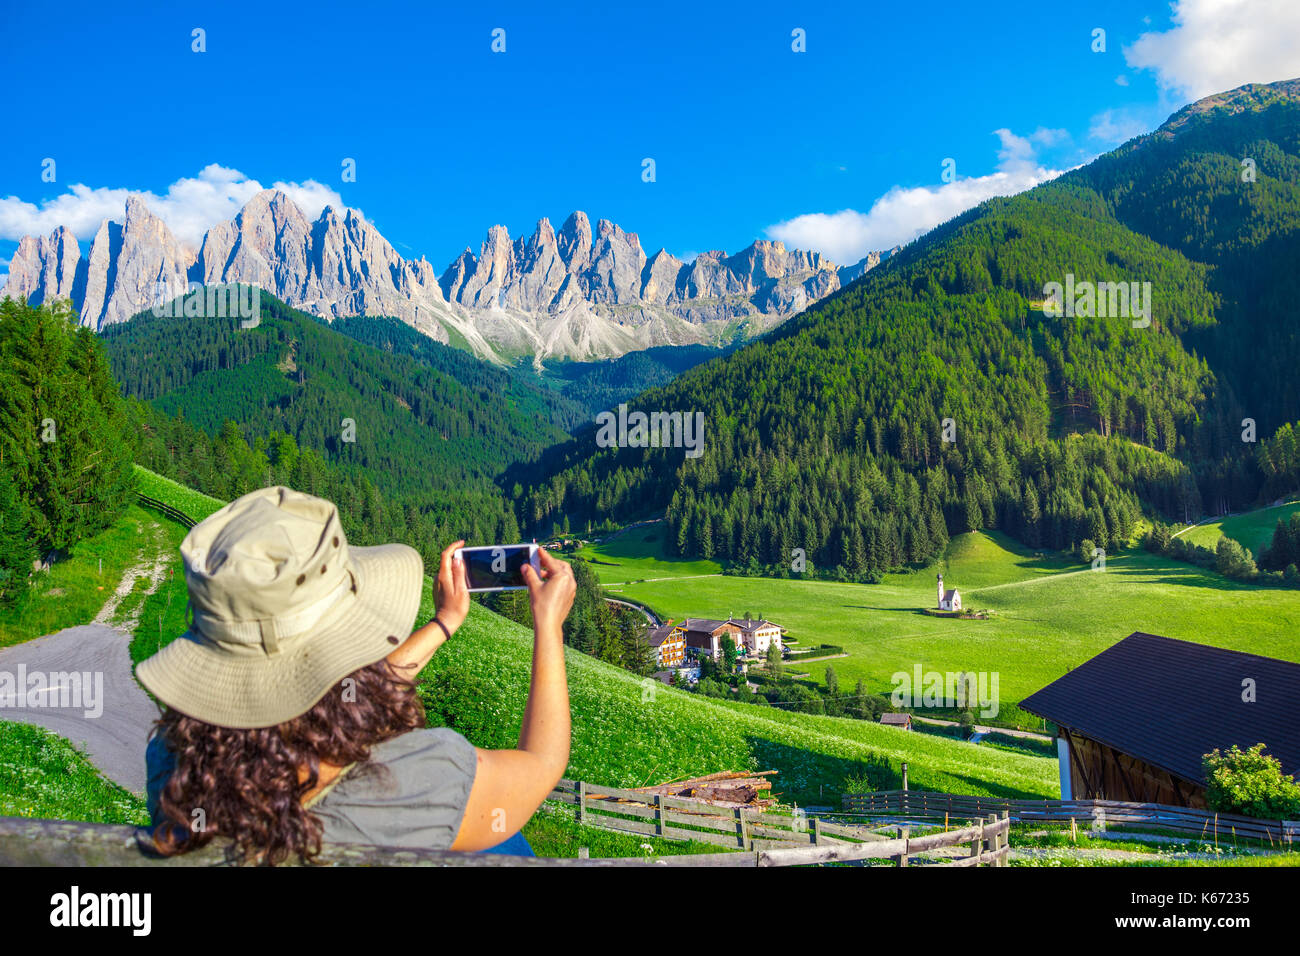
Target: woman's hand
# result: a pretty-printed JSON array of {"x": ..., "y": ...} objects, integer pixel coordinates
[
  {"x": 551, "y": 595},
  {"x": 453, "y": 589},
  {"x": 453, "y": 606}
]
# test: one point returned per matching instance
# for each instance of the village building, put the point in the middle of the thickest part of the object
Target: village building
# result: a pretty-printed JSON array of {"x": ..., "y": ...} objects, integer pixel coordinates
[
  {"x": 752, "y": 637},
  {"x": 1134, "y": 722},
  {"x": 948, "y": 600},
  {"x": 669, "y": 643},
  {"x": 897, "y": 720}
]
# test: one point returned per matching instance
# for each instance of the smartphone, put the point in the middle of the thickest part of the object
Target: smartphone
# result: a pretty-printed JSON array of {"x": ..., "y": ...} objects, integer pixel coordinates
[{"x": 498, "y": 567}]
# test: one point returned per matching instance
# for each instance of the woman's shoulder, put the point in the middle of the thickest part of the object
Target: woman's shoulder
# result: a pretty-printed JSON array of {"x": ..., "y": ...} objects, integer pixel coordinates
[
  {"x": 425, "y": 744},
  {"x": 411, "y": 792},
  {"x": 413, "y": 762}
]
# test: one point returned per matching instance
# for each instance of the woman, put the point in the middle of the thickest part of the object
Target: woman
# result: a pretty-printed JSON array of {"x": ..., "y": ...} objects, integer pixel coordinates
[{"x": 292, "y": 717}]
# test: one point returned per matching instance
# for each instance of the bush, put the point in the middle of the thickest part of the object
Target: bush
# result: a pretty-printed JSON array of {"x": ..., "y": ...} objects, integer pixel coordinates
[
  {"x": 1232, "y": 560},
  {"x": 1250, "y": 783}
]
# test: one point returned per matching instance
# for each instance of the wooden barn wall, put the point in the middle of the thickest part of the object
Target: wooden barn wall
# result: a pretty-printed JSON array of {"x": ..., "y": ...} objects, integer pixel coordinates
[{"x": 1098, "y": 772}]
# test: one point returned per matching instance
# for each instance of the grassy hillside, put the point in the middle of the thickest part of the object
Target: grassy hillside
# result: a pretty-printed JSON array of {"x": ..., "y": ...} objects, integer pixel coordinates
[
  {"x": 181, "y": 497},
  {"x": 1251, "y": 529},
  {"x": 639, "y": 554},
  {"x": 630, "y": 733},
  {"x": 43, "y": 776},
  {"x": 74, "y": 589},
  {"x": 1049, "y": 613}
]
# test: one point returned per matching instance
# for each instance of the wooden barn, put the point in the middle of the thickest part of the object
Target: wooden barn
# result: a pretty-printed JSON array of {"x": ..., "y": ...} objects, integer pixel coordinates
[{"x": 1134, "y": 721}]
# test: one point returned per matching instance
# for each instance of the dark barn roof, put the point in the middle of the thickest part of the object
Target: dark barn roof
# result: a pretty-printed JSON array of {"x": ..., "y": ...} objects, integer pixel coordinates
[{"x": 1167, "y": 702}]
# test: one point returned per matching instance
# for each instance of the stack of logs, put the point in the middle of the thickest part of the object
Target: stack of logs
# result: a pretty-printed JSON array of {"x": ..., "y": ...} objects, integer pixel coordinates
[{"x": 753, "y": 791}]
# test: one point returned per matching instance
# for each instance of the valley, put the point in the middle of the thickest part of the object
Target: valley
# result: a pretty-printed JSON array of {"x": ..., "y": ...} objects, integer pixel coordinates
[{"x": 1048, "y": 613}]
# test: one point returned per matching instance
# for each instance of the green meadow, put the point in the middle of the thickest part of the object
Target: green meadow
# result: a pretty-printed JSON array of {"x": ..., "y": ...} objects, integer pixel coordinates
[
  {"x": 630, "y": 732},
  {"x": 1048, "y": 613},
  {"x": 1251, "y": 529}
]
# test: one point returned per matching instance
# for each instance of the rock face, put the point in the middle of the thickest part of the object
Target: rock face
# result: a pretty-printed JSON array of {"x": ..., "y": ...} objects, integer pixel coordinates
[{"x": 577, "y": 293}]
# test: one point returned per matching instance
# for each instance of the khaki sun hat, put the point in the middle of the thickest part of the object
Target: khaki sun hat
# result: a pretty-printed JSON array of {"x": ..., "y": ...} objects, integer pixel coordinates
[{"x": 283, "y": 610}]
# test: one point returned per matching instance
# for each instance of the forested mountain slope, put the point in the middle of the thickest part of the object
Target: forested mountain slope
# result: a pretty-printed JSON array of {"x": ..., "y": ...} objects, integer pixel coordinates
[
  {"x": 404, "y": 433},
  {"x": 829, "y": 435}
]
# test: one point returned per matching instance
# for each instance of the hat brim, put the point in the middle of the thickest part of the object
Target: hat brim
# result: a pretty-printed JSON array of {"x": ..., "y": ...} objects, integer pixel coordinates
[{"x": 202, "y": 681}]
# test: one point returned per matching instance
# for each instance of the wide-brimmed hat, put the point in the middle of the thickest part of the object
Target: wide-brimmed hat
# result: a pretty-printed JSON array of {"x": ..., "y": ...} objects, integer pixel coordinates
[{"x": 283, "y": 610}]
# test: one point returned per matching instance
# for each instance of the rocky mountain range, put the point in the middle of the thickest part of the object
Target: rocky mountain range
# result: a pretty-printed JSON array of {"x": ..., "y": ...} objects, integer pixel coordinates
[{"x": 578, "y": 293}]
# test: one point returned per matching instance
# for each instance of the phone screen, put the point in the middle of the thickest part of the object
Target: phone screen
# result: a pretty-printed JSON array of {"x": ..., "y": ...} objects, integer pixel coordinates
[{"x": 497, "y": 567}]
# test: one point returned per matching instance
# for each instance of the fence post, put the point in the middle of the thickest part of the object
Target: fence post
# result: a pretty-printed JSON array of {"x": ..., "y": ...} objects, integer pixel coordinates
[
  {"x": 659, "y": 814},
  {"x": 582, "y": 801},
  {"x": 977, "y": 842},
  {"x": 991, "y": 843},
  {"x": 904, "y": 775},
  {"x": 906, "y": 835},
  {"x": 1004, "y": 841},
  {"x": 812, "y": 830},
  {"x": 743, "y": 839}
]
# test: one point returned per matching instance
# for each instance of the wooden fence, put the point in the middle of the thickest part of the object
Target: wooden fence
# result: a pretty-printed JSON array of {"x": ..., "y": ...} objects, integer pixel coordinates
[
  {"x": 1205, "y": 824},
  {"x": 178, "y": 516},
  {"x": 757, "y": 839},
  {"x": 25, "y": 842},
  {"x": 769, "y": 839}
]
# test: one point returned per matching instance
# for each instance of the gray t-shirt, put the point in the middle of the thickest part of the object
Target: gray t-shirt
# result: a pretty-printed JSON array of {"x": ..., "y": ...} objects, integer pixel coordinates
[{"x": 411, "y": 793}]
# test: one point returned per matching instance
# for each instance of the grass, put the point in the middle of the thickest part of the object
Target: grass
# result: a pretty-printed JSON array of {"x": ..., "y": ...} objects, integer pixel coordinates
[
  {"x": 629, "y": 733},
  {"x": 1049, "y": 614},
  {"x": 639, "y": 555},
  {"x": 74, "y": 590},
  {"x": 164, "y": 614},
  {"x": 43, "y": 776},
  {"x": 553, "y": 832},
  {"x": 1251, "y": 529},
  {"x": 186, "y": 500}
]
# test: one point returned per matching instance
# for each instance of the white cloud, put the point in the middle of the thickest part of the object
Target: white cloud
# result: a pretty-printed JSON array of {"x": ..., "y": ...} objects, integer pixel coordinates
[
  {"x": 190, "y": 206},
  {"x": 902, "y": 214},
  {"x": 1112, "y": 127},
  {"x": 1217, "y": 45}
]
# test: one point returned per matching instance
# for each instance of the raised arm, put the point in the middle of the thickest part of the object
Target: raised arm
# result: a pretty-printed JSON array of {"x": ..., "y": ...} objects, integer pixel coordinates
[
  {"x": 453, "y": 606},
  {"x": 509, "y": 785}
]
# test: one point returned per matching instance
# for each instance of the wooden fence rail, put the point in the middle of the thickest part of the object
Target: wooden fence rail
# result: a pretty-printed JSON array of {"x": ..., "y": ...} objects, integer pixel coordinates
[
  {"x": 26, "y": 842},
  {"x": 1207, "y": 824},
  {"x": 178, "y": 516},
  {"x": 773, "y": 839}
]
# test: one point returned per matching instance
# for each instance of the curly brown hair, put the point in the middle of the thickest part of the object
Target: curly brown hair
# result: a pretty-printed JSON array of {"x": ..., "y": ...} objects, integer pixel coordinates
[{"x": 250, "y": 784}]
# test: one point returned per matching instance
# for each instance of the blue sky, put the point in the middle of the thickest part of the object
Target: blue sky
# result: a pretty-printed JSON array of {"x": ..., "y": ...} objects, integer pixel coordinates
[{"x": 749, "y": 137}]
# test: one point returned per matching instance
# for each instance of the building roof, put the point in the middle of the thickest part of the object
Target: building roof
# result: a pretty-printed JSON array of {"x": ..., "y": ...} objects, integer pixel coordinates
[
  {"x": 749, "y": 625},
  {"x": 900, "y": 719},
  {"x": 657, "y": 635},
  {"x": 708, "y": 625},
  {"x": 949, "y": 594},
  {"x": 704, "y": 625},
  {"x": 1168, "y": 702}
]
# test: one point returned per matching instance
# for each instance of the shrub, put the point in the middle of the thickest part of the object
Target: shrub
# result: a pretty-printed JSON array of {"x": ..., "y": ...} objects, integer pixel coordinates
[{"x": 1251, "y": 783}]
